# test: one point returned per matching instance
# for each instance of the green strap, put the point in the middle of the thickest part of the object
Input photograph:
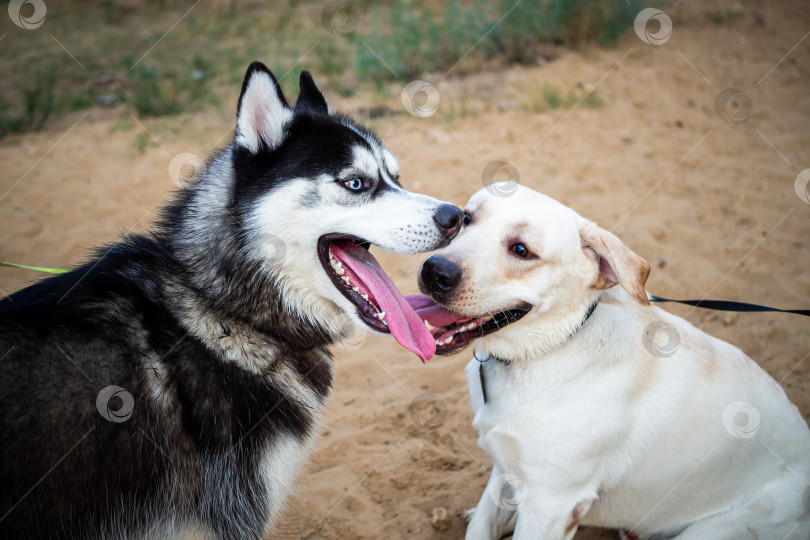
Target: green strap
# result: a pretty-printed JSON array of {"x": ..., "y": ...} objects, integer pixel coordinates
[{"x": 37, "y": 268}]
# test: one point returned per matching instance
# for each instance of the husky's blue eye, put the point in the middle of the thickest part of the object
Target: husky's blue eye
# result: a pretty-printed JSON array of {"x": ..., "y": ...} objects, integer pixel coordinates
[
  {"x": 355, "y": 184},
  {"x": 520, "y": 250},
  {"x": 467, "y": 218}
]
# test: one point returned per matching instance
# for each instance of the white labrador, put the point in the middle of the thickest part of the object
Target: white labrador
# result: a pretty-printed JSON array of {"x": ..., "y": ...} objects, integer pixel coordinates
[{"x": 630, "y": 418}]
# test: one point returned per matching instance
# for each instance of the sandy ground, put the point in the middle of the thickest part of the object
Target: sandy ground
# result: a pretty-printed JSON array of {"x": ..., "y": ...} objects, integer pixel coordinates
[{"x": 710, "y": 204}]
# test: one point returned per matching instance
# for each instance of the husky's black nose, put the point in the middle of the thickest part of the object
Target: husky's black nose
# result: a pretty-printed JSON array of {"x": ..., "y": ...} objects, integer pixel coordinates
[
  {"x": 440, "y": 275},
  {"x": 449, "y": 219}
]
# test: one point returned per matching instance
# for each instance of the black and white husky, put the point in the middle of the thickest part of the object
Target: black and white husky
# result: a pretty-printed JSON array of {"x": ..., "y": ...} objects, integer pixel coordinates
[{"x": 176, "y": 381}]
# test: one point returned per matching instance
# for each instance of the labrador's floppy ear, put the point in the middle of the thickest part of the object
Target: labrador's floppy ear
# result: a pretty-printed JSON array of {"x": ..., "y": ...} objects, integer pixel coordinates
[
  {"x": 262, "y": 112},
  {"x": 309, "y": 96},
  {"x": 617, "y": 263}
]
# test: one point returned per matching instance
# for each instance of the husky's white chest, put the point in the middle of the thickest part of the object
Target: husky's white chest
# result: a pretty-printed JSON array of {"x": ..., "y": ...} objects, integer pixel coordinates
[{"x": 280, "y": 468}]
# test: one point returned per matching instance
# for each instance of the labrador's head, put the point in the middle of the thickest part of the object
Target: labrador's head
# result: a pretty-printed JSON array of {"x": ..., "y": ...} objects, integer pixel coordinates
[{"x": 523, "y": 273}]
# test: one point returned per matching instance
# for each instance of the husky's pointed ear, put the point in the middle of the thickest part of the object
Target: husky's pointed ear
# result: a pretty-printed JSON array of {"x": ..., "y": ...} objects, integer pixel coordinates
[
  {"x": 617, "y": 262},
  {"x": 309, "y": 96},
  {"x": 262, "y": 112}
]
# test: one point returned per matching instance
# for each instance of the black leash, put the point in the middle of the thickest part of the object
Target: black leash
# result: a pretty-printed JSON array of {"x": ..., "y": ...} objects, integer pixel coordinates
[
  {"x": 481, "y": 374},
  {"x": 727, "y": 305}
]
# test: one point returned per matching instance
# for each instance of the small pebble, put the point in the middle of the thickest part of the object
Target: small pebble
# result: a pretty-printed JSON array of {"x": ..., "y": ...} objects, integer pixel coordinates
[
  {"x": 440, "y": 519},
  {"x": 728, "y": 318}
]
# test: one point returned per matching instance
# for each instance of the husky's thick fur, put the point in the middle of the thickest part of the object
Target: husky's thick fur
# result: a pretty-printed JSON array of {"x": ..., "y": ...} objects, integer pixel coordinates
[{"x": 176, "y": 380}]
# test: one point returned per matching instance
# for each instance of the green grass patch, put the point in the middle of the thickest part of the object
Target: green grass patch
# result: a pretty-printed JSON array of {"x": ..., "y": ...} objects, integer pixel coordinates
[
  {"x": 409, "y": 38},
  {"x": 174, "y": 57},
  {"x": 38, "y": 104},
  {"x": 552, "y": 97},
  {"x": 723, "y": 16}
]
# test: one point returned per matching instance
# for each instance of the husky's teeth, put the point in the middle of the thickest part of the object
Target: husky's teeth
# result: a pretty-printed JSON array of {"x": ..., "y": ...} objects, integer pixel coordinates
[
  {"x": 340, "y": 271},
  {"x": 429, "y": 326},
  {"x": 448, "y": 340},
  {"x": 345, "y": 278},
  {"x": 381, "y": 315},
  {"x": 355, "y": 289},
  {"x": 364, "y": 297}
]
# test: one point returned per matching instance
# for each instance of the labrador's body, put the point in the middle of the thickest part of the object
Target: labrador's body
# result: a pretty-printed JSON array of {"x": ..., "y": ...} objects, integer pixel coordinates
[{"x": 623, "y": 439}]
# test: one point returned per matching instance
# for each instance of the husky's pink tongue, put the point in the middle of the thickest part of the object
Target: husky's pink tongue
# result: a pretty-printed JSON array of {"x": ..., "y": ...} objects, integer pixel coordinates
[{"x": 403, "y": 322}]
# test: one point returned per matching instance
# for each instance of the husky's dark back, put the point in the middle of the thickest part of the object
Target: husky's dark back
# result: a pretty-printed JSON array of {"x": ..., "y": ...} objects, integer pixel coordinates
[{"x": 185, "y": 451}]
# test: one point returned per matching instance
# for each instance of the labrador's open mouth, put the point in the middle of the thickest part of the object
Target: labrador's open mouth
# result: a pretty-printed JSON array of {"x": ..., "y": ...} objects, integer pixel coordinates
[
  {"x": 451, "y": 331},
  {"x": 359, "y": 277}
]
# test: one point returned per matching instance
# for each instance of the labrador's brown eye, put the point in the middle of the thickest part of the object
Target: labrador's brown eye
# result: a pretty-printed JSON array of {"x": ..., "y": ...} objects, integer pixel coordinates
[{"x": 520, "y": 250}]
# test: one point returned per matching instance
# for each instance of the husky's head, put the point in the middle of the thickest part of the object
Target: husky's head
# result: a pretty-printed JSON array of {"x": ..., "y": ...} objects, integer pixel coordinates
[{"x": 312, "y": 191}]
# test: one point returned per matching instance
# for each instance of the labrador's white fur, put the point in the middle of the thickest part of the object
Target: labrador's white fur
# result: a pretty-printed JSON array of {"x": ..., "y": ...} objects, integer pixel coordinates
[{"x": 638, "y": 420}]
